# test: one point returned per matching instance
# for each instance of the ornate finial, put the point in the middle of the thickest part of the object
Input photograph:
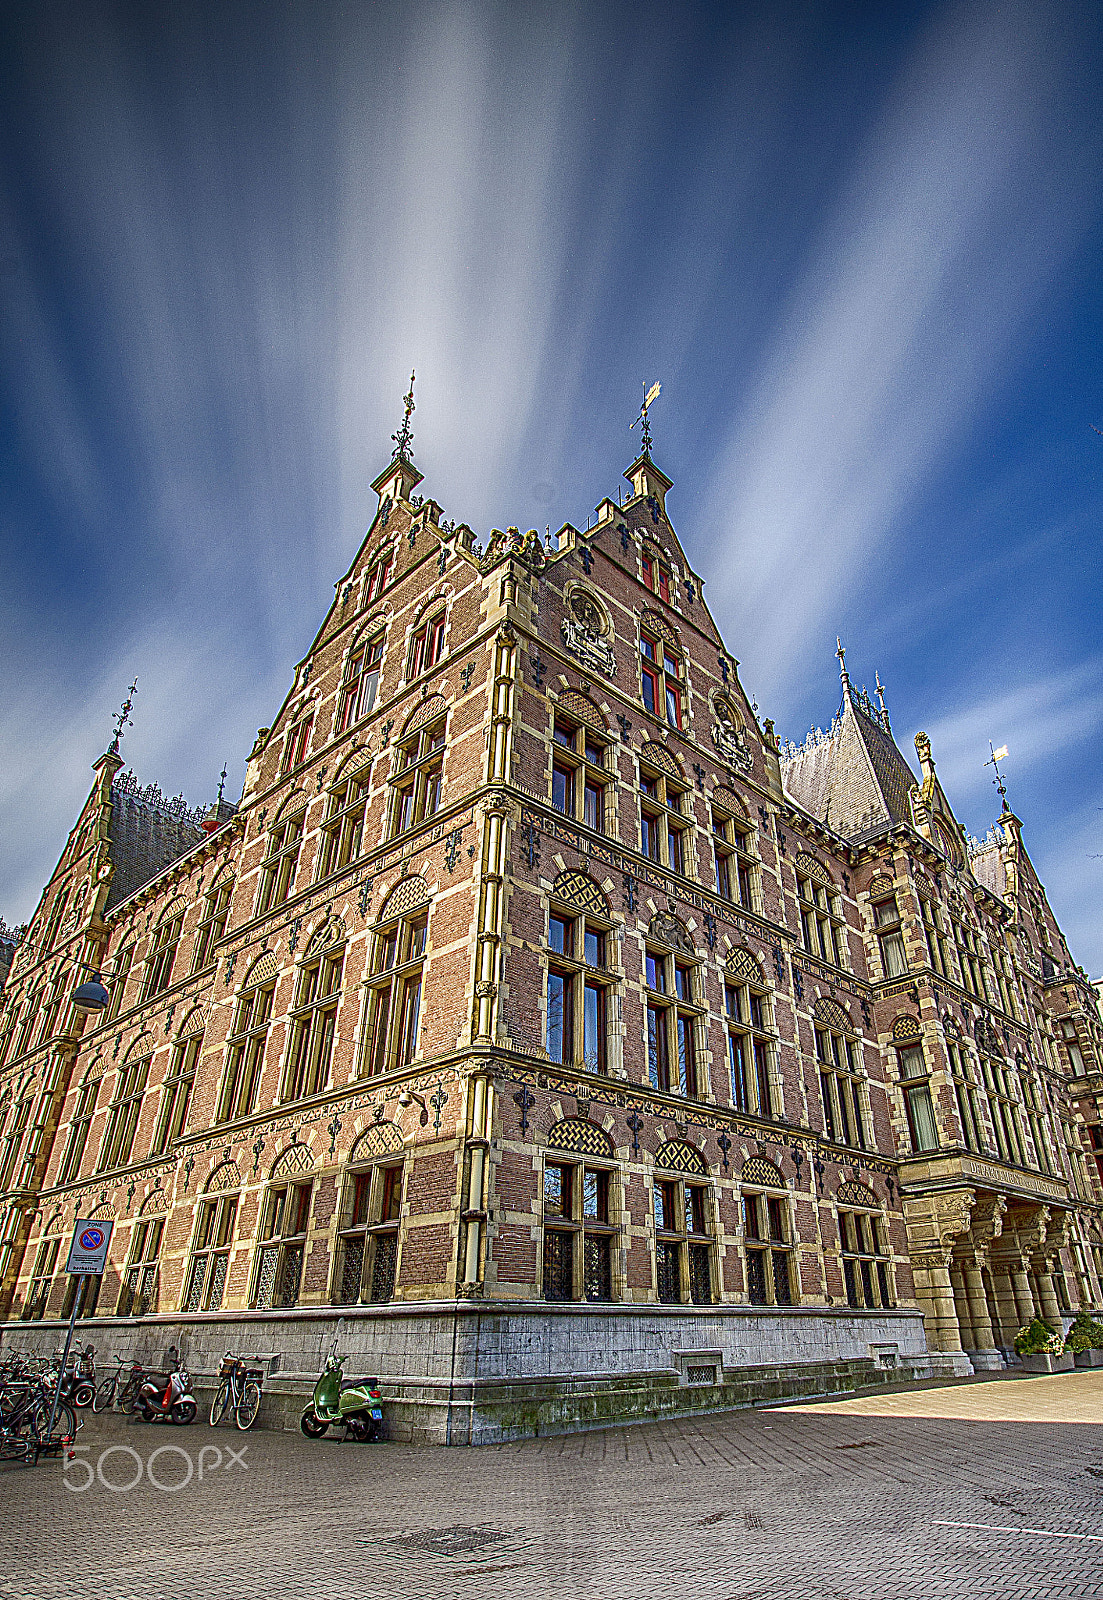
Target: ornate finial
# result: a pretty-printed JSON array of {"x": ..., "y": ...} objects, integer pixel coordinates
[
  {"x": 221, "y": 784},
  {"x": 123, "y": 718},
  {"x": 404, "y": 438},
  {"x": 994, "y": 762},
  {"x": 841, "y": 653},
  {"x": 881, "y": 701},
  {"x": 648, "y": 401}
]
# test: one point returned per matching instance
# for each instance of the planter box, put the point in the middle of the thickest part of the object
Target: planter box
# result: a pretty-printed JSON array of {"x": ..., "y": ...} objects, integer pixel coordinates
[
  {"x": 1061, "y": 1363},
  {"x": 1089, "y": 1358}
]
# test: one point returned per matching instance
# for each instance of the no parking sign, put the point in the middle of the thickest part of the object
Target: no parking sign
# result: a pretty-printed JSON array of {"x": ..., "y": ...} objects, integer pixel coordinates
[{"x": 88, "y": 1251}]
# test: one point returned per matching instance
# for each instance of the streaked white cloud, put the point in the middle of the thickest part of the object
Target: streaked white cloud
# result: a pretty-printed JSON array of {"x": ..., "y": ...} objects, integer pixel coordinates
[{"x": 917, "y": 299}]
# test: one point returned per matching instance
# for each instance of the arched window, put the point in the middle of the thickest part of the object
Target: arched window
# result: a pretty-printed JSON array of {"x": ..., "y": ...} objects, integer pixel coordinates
[
  {"x": 371, "y": 1211},
  {"x": 967, "y": 1092},
  {"x": 656, "y": 575},
  {"x": 162, "y": 953},
  {"x": 248, "y": 1039},
  {"x": 664, "y": 799},
  {"x": 216, "y": 911},
  {"x": 176, "y": 1090},
  {"x": 214, "y": 1237},
  {"x": 578, "y": 765},
  {"x": 282, "y": 859},
  {"x": 361, "y": 684},
  {"x": 750, "y": 1035},
  {"x": 767, "y": 1234},
  {"x": 579, "y": 1206},
  {"x": 139, "y": 1293},
  {"x": 120, "y": 973},
  {"x": 32, "y": 1013},
  {"x": 81, "y": 1122},
  {"x": 378, "y": 575},
  {"x": 343, "y": 829},
  {"x": 863, "y": 1247},
  {"x": 42, "y": 1278},
  {"x": 675, "y": 1011},
  {"x": 821, "y": 918},
  {"x": 126, "y": 1106},
  {"x": 839, "y": 1053},
  {"x": 298, "y": 742},
  {"x": 736, "y": 864},
  {"x": 394, "y": 987},
  {"x": 426, "y": 645},
  {"x": 915, "y": 1073},
  {"x": 579, "y": 981},
  {"x": 661, "y": 685},
  {"x": 285, "y": 1217},
  {"x": 683, "y": 1225},
  {"x": 419, "y": 772},
  {"x": 313, "y": 1025}
]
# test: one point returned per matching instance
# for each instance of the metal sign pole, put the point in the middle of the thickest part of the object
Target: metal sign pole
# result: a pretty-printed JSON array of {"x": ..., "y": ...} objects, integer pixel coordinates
[{"x": 78, "y": 1300}]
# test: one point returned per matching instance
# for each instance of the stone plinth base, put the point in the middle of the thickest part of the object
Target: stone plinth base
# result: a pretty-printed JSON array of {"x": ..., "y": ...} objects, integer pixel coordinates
[{"x": 482, "y": 1372}]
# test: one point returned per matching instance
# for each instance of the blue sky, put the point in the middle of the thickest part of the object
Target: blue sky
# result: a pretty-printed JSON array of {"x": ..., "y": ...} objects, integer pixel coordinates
[{"x": 859, "y": 245}]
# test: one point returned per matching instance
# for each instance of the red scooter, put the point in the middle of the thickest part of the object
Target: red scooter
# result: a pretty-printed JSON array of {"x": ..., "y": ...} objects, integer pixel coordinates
[{"x": 168, "y": 1399}]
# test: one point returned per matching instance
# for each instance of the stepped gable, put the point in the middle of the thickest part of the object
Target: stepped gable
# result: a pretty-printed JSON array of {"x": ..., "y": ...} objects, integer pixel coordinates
[
  {"x": 147, "y": 833},
  {"x": 853, "y": 777}
]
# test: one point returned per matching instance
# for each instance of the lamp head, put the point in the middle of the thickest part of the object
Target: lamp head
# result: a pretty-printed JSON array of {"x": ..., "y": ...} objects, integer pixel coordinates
[{"x": 90, "y": 997}]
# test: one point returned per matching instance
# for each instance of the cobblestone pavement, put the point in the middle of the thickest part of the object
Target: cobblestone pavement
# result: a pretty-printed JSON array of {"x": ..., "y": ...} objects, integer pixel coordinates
[{"x": 824, "y": 1503}]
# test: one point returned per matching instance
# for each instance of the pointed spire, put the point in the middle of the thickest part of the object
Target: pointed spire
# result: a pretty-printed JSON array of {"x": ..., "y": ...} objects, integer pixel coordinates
[
  {"x": 123, "y": 718},
  {"x": 881, "y": 701},
  {"x": 404, "y": 438},
  {"x": 843, "y": 673}
]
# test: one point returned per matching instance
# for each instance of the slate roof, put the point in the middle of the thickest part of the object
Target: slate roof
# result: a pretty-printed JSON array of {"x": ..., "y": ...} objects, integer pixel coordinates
[
  {"x": 852, "y": 777},
  {"x": 147, "y": 833}
]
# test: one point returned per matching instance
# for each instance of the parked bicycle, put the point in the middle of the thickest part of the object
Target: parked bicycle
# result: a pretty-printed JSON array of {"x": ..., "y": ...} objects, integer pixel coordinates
[
  {"x": 239, "y": 1390},
  {"x": 121, "y": 1388},
  {"x": 24, "y": 1420}
]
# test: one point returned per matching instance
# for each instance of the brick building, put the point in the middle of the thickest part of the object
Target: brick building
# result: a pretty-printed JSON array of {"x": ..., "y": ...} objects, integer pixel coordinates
[{"x": 588, "y": 1052}]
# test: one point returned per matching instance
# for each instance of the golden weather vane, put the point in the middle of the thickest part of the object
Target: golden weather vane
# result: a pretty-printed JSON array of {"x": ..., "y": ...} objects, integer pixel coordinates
[
  {"x": 648, "y": 401},
  {"x": 994, "y": 762}
]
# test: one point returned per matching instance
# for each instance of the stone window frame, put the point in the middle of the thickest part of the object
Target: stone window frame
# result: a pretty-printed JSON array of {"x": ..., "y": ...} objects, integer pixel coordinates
[
  {"x": 764, "y": 1200},
  {"x": 734, "y": 840},
  {"x": 247, "y": 1043},
  {"x": 663, "y": 664},
  {"x": 417, "y": 777},
  {"x": 581, "y": 976},
  {"x": 680, "y": 1001},
  {"x": 684, "y": 1215},
  {"x": 41, "y": 1281},
  {"x": 311, "y": 1030},
  {"x": 361, "y": 675},
  {"x": 177, "y": 1088},
  {"x": 663, "y": 802},
  {"x": 888, "y": 926},
  {"x": 211, "y": 1249},
  {"x": 399, "y": 951},
  {"x": 369, "y": 1218},
  {"x": 742, "y": 1023},
  {"x": 280, "y": 867},
  {"x": 579, "y": 768},
  {"x": 913, "y": 1078},
  {"x": 577, "y": 1227},
  {"x": 866, "y": 1259},
  {"x": 125, "y": 1109},
  {"x": 296, "y": 746},
  {"x": 287, "y": 1198},
  {"x": 840, "y": 1059},
  {"x": 819, "y": 905},
  {"x": 162, "y": 953},
  {"x": 212, "y": 924},
  {"x": 141, "y": 1276},
  {"x": 80, "y": 1124}
]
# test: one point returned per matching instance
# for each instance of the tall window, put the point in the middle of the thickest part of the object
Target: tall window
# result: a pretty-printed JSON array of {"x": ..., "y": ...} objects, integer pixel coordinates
[
  {"x": 967, "y": 1095},
  {"x": 865, "y": 1259},
  {"x": 1002, "y": 1085},
  {"x": 122, "y": 1121},
  {"x": 578, "y": 992},
  {"x": 915, "y": 1081},
  {"x": 821, "y": 922},
  {"x": 749, "y": 1046},
  {"x": 313, "y": 1025},
  {"x": 53, "y": 922},
  {"x": 280, "y": 1253},
  {"x": 138, "y": 1295},
  {"x": 578, "y": 773},
  {"x": 657, "y": 577},
  {"x": 13, "y": 1139},
  {"x": 210, "y": 1260},
  {"x": 32, "y": 1013},
  {"x": 890, "y": 937},
  {"x": 933, "y": 934},
  {"x": 661, "y": 685},
  {"x": 120, "y": 972},
  {"x": 343, "y": 830},
  {"x": 298, "y": 742},
  {"x": 378, "y": 576},
  {"x": 78, "y": 1131},
  {"x": 1039, "y": 1133},
  {"x": 578, "y": 1233},
  {"x": 245, "y": 1052},
  {"x": 420, "y": 773},
  {"x": 394, "y": 993},
  {"x": 426, "y": 646},
  {"x": 176, "y": 1093},
  {"x": 840, "y": 1060},
  {"x": 968, "y": 955},
  {"x": 361, "y": 685},
  {"x": 673, "y": 1014},
  {"x": 52, "y": 1007},
  {"x": 663, "y": 825},
  {"x": 683, "y": 1245},
  {"x": 216, "y": 911},
  {"x": 735, "y": 862},
  {"x": 1072, "y": 1047},
  {"x": 42, "y": 1280},
  {"x": 166, "y": 938},
  {"x": 367, "y": 1256},
  {"x": 281, "y": 862},
  {"x": 768, "y": 1250}
]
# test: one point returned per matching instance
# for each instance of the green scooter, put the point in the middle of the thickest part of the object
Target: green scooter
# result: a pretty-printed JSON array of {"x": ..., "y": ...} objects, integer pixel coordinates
[{"x": 355, "y": 1403}]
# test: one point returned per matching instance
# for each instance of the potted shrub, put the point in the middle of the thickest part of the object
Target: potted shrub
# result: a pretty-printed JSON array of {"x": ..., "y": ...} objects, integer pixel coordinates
[
  {"x": 1042, "y": 1349},
  {"x": 1084, "y": 1341}
]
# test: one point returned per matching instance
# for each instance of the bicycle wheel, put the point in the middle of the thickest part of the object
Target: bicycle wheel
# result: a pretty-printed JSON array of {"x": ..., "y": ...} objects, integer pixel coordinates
[
  {"x": 65, "y": 1422},
  {"x": 220, "y": 1402},
  {"x": 248, "y": 1405},
  {"x": 104, "y": 1395}
]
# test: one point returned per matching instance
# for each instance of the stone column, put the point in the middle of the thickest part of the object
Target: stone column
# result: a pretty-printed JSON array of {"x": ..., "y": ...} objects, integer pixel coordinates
[
  {"x": 935, "y": 1294},
  {"x": 1047, "y": 1294},
  {"x": 1024, "y": 1298},
  {"x": 962, "y": 1307},
  {"x": 1010, "y": 1317},
  {"x": 983, "y": 1352}
]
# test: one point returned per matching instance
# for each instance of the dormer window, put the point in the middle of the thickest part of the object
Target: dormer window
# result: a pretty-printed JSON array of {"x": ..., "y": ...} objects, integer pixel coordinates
[
  {"x": 660, "y": 679},
  {"x": 298, "y": 742},
  {"x": 657, "y": 577},
  {"x": 427, "y": 646},
  {"x": 378, "y": 575}
]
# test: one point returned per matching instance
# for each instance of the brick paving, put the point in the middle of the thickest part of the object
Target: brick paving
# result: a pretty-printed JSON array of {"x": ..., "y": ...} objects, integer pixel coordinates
[{"x": 832, "y": 1502}]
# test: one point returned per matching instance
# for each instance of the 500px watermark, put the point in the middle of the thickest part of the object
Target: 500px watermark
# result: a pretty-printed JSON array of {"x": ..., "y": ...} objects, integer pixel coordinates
[{"x": 174, "y": 1474}]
